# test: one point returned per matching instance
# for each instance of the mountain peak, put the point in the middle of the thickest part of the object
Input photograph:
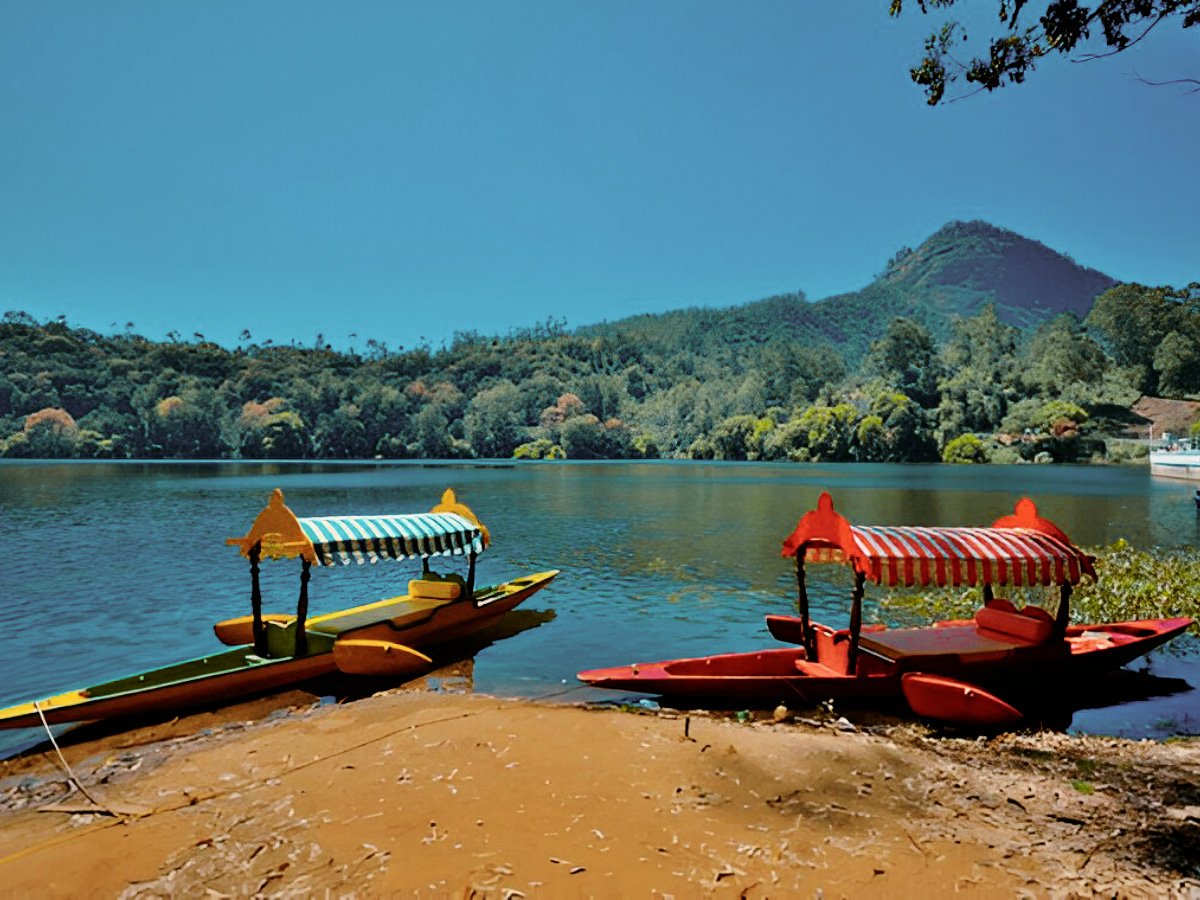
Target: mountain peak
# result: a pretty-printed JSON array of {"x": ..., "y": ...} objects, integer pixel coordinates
[
  {"x": 965, "y": 265},
  {"x": 954, "y": 273}
]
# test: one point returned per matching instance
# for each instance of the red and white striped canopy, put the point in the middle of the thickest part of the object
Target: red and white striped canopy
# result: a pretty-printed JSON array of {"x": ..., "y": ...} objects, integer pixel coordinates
[{"x": 1022, "y": 549}]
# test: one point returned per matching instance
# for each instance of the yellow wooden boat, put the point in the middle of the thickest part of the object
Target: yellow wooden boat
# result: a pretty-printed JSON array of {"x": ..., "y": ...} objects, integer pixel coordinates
[{"x": 383, "y": 638}]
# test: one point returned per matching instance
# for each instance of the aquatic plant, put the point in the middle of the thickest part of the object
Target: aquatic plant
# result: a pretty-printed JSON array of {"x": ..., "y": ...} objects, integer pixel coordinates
[{"x": 1140, "y": 584}]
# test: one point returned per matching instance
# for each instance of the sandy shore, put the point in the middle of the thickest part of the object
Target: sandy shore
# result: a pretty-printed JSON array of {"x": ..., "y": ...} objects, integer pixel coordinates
[{"x": 427, "y": 794}]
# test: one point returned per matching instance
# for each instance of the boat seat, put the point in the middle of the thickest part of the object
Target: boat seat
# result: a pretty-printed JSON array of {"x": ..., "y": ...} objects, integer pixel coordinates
[
  {"x": 281, "y": 640},
  {"x": 815, "y": 669},
  {"x": 1032, "y": 624},
  {"x": 435, "y": 588},
  {"x": 398, "y": 611}
]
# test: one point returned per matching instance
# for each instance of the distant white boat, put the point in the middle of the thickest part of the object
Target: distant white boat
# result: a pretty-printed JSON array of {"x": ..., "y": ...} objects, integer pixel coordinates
[{"x": 1182, "y": 462}]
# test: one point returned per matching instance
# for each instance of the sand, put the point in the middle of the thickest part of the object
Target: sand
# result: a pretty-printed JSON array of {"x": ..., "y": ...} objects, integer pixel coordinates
[{"x": 432, "y": 794}]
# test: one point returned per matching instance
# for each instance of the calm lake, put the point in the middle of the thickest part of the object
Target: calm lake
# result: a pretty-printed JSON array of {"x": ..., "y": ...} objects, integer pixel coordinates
[{"x": 110, "y": 568}]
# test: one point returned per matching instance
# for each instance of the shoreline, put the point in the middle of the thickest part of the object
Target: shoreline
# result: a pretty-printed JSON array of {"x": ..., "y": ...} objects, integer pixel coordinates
[
  {"x": 431, "y": 794},
  {"x": 504, "y": 462}
]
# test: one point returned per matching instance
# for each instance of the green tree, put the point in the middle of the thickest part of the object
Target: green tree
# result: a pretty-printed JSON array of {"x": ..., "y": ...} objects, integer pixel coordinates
[
  {"x": 980, "y": 373},
  {"x": 1132, "y": 320},
  {"x": 114, "y": 432},
  {"x": 793, "y": 374},
  {"x": 982, "y": 344},
  {"x": 431, "y": 434},
  {"x": 186, "y": 425},
  {"x": 538, "y": 392},
  {"x": 342, "y": 434},
  {"x": 828, "y": 432},
  {"x": 643, "y": 447},
  {"x": 1060, "y": 28},
  {"x": 906, "y": 358},
  {"x": 47, "y": 434},
  {"x": 384, "y": 411},
  {"x": 739, "y": 437},
  {"x": 1177, "y": 362},
  {"x": 906, "y": 426},
  {"x": 604, "y": 396},
  {"x": 269, "y": 430},
  {"x": 788, "y": 441},
  {"x": 1060, "y": 354},
  {"x": 871, "y": 439},
  {"x": 542, "y": 448},
  {"x": 1044, "y": 417},
  {"x": 493, "y": 421},
  {"x": 966, "y": 448},
  {"x": 582, "y": 437}
]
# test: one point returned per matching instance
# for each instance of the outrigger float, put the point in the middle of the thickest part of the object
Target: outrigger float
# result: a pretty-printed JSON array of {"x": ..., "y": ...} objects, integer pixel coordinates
[
  {"x": 947, "y": 671},
  {"x": 272, "y": 650}
]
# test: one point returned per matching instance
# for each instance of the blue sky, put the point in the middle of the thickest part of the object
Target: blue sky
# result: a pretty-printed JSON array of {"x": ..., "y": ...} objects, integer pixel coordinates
[{"x": 406, "y": 170}]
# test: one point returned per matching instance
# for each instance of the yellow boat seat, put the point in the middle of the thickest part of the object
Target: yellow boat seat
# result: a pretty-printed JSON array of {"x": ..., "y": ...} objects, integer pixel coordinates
[{"x": 434, "y": 589}]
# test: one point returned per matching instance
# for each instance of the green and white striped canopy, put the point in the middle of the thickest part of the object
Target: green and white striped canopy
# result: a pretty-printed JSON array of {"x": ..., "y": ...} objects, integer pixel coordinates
[{"x": 358, "y": 539}]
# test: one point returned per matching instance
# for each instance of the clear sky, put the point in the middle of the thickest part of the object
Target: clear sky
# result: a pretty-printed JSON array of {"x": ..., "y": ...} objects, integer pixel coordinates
[{"x": 404, "y": 170}]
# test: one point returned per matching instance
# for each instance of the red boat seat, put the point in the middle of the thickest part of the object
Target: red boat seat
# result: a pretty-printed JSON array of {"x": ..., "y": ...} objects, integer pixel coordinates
[
  {"x": 815, "y": 669},
  {"x": 1031, "y": 624}
]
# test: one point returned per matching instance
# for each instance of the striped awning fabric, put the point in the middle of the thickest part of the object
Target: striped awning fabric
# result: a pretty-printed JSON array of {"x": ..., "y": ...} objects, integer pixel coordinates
[
  {"x": 359, "y": 539},
  {"x": 909, "y": 555}
]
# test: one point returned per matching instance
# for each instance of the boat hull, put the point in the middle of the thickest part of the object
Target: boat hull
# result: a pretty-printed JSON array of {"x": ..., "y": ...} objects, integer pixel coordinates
[
  {"x": 956, "y": 650},
  {"x": 225, "y": 676},
  {"x": 387, "y": 658},
  {"x": 1184, "y": 464},
  {"x": 950, "y": 700},
  {"x": 239, "y": 672},
  {"x": 759, "y": 678}
]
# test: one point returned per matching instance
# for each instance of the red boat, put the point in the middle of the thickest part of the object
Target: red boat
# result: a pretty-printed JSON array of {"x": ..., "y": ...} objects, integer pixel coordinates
[{"x": 1002, "y": 648}]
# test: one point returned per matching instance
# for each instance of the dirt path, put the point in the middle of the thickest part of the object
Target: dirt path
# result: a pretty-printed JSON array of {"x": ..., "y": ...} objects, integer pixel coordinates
[{"x": 435, "y": 795}]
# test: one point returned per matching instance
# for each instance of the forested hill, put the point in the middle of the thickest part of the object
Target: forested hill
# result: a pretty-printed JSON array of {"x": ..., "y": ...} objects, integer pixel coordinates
[
  {"x": 921, "y": 364},
  {"x": 966, "y": 265},
  {"x": 953, "y": 274}
]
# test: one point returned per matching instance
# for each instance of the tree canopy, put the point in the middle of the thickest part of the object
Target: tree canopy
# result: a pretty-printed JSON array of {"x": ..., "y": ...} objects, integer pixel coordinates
[
  {"x": 1060, "y": 28},
  {"x": 743, "y": 395}
]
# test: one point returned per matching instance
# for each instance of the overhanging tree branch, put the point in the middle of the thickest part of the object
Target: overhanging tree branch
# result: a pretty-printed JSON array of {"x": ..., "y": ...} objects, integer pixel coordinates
[
  {"x": 1193, "y": 81},
  {"x": 1060, "y": 28}
]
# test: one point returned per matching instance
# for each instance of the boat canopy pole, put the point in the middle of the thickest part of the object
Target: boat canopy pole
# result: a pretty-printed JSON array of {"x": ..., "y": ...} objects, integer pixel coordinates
[
  {"x": 856, "y": 597},
  {"x": 302, "y": 610},
  {"x": 1063, "y": 617},
  {"x": 988, "y": 595},
  {"x": 260, "y": 636},
  {"x": 471, "y": 577},
  {"x": 810, "y": 647}
]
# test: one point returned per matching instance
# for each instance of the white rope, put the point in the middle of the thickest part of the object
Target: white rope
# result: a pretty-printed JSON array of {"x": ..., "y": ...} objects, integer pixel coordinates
[{"x": 75, "y": 781}]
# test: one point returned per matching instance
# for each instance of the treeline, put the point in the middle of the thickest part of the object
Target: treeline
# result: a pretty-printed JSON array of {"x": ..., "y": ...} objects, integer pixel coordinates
[{"x": 988, "y": 391}]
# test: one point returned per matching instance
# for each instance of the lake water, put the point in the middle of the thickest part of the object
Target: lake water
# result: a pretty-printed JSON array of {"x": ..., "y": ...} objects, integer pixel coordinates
[{"x": 111, "y": 568}]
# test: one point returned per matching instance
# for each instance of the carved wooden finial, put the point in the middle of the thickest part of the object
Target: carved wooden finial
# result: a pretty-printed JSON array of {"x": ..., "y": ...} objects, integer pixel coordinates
[
  {"x": 1026, "y": 511},
  {"x": 825, "y": 527},
  {"x": 1025, "y": 515},
  {"x": 451, "y": 504},
  {"x": 277, "y": 530}
]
